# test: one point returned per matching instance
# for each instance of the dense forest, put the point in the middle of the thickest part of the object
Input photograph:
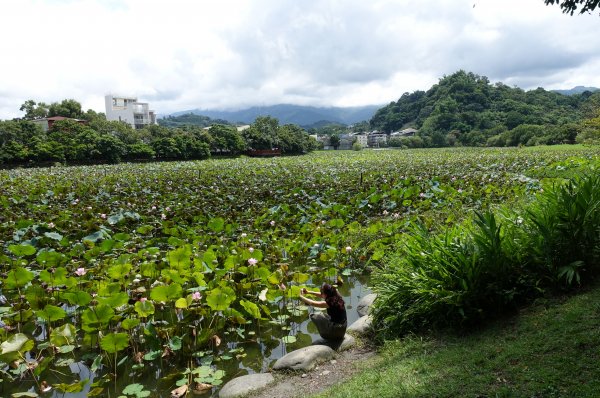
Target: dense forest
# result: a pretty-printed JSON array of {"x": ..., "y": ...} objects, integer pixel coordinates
[
  {"x": 466, "y": 109},
  {"x": 87, "y": 137}
]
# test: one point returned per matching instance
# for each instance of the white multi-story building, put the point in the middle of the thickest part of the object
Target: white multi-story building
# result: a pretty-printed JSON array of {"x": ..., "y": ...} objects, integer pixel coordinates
[{"x": 129, "y": 110}]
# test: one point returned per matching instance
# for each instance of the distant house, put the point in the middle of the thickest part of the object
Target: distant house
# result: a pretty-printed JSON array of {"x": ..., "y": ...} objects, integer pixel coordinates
[
  {"x": 47, "y": 122},
  {"x": 362, "y": 139},
  {"x": 376, "y": 139},
  {"x": 129, "y": 110},
  {"x": 409, "y": 132}
]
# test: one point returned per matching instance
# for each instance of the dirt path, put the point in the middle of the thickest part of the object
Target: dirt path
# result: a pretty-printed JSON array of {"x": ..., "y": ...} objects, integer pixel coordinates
[{"x": 296, "y": 384}]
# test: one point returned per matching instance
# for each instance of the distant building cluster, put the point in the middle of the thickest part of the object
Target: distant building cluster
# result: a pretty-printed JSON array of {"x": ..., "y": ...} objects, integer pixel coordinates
[
  {"x": 367, "y": 139},
  {"x": 129, "y": 110}
]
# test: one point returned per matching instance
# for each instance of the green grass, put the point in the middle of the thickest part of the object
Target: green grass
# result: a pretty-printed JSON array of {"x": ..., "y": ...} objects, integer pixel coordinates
[{"x": 548, "y": 350}]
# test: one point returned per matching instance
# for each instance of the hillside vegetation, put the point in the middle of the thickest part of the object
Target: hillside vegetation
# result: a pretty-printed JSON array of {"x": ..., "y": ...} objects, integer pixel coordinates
[{"x": 466, "y": 109}]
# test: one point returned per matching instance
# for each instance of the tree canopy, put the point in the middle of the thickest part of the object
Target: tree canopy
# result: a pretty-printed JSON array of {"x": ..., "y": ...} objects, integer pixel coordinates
[
  {"x": 466, "y": 109},
  {"x": 100, "y": 140},
  {"x": 570, "y": 6}
]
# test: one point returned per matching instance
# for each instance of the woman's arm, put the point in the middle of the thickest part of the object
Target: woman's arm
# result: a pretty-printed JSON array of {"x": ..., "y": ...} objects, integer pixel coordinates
[{"x": 314, "y": 303}]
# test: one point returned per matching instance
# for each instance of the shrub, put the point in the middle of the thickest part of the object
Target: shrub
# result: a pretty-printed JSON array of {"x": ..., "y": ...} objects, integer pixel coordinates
[
  {"x": 450, "y": 279},
  {"x": 565, "y": 230},
  {"x": 482, "y": 268}
]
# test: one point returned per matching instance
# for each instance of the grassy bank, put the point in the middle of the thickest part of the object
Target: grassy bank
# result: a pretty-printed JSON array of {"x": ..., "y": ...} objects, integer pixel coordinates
[{"x": 548, "y": 350}]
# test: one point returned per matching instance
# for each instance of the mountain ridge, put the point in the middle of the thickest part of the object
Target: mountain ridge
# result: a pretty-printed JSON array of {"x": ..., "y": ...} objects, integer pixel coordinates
[
  {"x": 291, "y": 114},
  {"x": 576, "y": 90}
]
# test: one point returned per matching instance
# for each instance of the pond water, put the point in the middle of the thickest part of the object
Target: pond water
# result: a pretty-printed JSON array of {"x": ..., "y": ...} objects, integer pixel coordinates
[{"x": 253, "y": 349}]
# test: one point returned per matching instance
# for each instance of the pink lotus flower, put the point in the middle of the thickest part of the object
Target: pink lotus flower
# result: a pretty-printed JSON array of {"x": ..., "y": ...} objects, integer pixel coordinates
[
  {"x": 80, "y": 271},
  {"x": 252, "y": 261},
  {"x": 143, "y": 299},
  {"x": 196, "y": 296}
]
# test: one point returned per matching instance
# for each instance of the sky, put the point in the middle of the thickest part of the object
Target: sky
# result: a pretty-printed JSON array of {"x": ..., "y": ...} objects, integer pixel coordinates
[{"x": 230, "y": 54}]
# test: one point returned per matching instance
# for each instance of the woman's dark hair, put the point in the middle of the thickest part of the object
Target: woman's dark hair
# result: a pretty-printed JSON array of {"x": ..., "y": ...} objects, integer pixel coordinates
[{"x": 332, "y": 297}]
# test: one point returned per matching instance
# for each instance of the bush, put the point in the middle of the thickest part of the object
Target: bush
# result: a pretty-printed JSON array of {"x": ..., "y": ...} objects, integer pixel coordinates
[
  {"x": 451, "y": 279},
  {"x": 485, "y": 267},
  {"x": 565, "y": 230}
]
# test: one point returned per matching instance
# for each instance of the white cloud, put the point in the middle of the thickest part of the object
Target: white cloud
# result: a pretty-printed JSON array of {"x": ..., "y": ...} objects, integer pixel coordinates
[{"x": 185, "y": 54}]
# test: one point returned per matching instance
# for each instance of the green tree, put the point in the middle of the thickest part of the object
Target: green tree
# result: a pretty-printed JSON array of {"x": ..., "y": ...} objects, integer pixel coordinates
[
  {"x": 67, "y": 108},
  {"x": 334, "y": 141},
  {"x": 226, "y": 139},
  {"x": 570, "y": 6},
  {"x": 34, "y": 110},
  {"x": 294, "y": 140},
  {"x": 262, "y": 134}
]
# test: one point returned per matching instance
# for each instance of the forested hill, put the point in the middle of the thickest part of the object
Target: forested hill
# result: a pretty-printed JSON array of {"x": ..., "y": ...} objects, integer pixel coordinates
[{"x": 465, "y": 108}]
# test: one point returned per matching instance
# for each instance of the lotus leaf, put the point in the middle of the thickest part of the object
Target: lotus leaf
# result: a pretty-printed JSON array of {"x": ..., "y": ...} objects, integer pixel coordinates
[
  {"x": 53, "y": 235},
  {"x": 50, "y": 258},
  {"x": 180, "y": 256},
  {"x": 15, "y": 347},
  {"x": 96, "y": 318},
  {"x": 219, "y": 299},
  {"x": 166, "y": 293},
  {"x": 71, "y": 388},
  {"x": 18, "y": 278},
  {"x": 51, "y": 313},
  {"x": 289, "y": 339},
  {"x": 115, "y": 300},
  {"x": 216, "y": 224},
  {"x": 22, "y": 250},
  {"x": 129, "y": 323},
  {"x": 119, "y": 271},
  {"x": 77, "y": 297},
  {"x": 114, "y": 342},
  {"x": 251, "y": 308},
  {"x": 144, "y": 308},
  {"x": 63, "y": 335}
]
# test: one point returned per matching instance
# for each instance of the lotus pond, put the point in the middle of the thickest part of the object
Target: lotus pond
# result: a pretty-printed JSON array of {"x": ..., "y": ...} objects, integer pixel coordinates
[{"x": 137, "y": 279}]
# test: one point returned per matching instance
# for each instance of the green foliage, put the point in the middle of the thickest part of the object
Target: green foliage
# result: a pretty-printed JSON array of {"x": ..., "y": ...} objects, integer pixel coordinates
[
  {"x": 90, "y": 138},
  {"x": 466, "y": 109},
  {"x": 565, "y": 229},
  {"x": 181, "y": 255},
  {"x": 475, "y": 271},
  {"x": 570, "y": 6},
  {"x": 114, "y": 342}
]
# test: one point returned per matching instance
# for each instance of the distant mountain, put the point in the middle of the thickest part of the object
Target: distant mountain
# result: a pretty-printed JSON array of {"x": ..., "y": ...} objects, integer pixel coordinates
[
  {"x": 292, "y": 114},
  {"x": 576, "y": 90}
]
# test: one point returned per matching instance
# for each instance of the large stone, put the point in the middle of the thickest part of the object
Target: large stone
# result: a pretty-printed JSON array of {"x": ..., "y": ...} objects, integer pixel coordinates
[
  {"x": 338, "y": 345},
  {"x": 361, "y": 326},
  {"x": 243, "y": 385},
  {"x": 365, "y": 303},
  {"x": 305, "y": 359}
]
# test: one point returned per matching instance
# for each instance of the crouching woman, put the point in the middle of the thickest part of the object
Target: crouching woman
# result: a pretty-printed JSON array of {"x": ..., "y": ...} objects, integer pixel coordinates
[{"x": 332, "y": 325}]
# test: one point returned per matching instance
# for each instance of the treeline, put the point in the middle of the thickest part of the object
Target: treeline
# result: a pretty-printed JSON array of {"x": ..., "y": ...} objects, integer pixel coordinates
[
  {"x": 94, "y": 139},
  {"x": 466, "y": 109}
]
